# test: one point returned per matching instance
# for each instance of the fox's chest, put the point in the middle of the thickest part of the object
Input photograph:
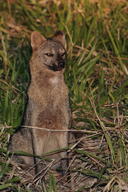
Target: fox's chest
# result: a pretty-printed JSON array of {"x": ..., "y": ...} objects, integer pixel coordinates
[
  {"x": 57, "y": 85},
  {"x": 54, "y": 81}
]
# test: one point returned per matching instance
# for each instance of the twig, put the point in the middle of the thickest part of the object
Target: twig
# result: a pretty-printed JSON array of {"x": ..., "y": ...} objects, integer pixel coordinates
[
  {"x": 52, "y": 130},
  {"x": 116, "y": 128}
]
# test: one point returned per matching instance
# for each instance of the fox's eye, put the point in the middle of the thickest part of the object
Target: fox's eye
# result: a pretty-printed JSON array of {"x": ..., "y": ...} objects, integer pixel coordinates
[
  {"x": 63, "y": 54},
  {"x": 49, "y": 54}
]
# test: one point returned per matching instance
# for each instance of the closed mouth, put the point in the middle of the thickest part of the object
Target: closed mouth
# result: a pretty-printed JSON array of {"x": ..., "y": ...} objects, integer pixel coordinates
[{"x": 57, "y": 67}]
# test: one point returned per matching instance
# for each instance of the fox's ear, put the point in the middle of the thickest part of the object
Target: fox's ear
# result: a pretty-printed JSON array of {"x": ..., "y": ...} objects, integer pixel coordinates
[
  {"x": 36, "y": 39},
  {"x": 59, "y": 36}
]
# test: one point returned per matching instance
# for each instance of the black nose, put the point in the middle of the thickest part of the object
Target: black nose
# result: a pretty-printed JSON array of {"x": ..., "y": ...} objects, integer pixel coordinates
[{"x": 61, "y": 64}]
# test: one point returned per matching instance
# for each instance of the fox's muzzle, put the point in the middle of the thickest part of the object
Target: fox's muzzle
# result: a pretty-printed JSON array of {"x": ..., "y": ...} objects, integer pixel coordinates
[
  {"x": 61, "y": 65},
  {"x": 57, "y": 66}
]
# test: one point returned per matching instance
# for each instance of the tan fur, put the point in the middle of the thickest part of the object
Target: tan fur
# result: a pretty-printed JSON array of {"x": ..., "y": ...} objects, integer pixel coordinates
[{"x": 48, "y": 105}]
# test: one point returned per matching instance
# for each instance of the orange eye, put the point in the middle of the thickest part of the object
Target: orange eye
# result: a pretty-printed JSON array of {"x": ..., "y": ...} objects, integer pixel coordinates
[
  {"x": 49, "y": 54},
  {"x": 63, "y": 54}
]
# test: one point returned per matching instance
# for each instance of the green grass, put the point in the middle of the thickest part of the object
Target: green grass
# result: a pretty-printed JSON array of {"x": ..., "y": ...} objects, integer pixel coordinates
[{"x": 97, "y": 77}]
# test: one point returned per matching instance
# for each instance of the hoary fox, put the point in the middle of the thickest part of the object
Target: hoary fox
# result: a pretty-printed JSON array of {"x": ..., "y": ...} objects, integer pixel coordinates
[{"x": 48, "y": 103}]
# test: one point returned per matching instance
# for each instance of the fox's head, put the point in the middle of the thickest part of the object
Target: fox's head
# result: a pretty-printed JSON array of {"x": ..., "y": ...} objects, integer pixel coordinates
[{"x": 50, "y": 52}]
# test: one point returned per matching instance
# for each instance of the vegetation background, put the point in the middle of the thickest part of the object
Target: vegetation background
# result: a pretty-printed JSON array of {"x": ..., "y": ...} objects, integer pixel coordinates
[{"x": 97, "y": 76}]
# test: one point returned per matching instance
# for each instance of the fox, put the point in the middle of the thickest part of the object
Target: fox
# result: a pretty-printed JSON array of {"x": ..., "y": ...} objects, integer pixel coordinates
[{"x": 48, "y": 102}]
